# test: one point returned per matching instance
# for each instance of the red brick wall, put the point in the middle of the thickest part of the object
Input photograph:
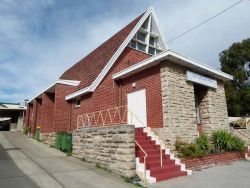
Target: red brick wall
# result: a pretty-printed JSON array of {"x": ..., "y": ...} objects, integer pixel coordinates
[
  {"x": 150, "y": 81},
  {"x": 107, "y": 94},
  {"x": 62, "y": 108},
  {"x": 39, "y": 112},
  {"x": 61, "y": 115},
  {"x": 33, "y": 117},
  {"x": 36, "y": 118},
  {"x": 212, "y": 160},
  {"x": 30, "y": 118},
  {"x": 47, "y": 114},
  {"x": 27, "y": 116}
]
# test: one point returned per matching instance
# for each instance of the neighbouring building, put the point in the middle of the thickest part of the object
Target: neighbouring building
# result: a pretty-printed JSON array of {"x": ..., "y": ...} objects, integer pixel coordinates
[
  {"x": 128, "y": 88},
  {"x": 11, "y": 116}
]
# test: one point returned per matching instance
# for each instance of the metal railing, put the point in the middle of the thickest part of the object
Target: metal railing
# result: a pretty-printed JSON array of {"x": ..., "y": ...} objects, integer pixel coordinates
[
  {"x": 145, "y": 162},
  {"x": 110, "y": 116}
]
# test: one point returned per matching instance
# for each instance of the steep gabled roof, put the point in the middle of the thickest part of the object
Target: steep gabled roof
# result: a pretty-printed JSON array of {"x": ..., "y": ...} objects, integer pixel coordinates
[
  {"x": 88, "y": 73},
  {"x": 93, "y": 68},
  {"x": 87, "y": 69}
]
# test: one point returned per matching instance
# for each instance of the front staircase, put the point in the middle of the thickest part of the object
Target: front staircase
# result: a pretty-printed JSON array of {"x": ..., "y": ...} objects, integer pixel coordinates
[{"x": 157, "y": 168}]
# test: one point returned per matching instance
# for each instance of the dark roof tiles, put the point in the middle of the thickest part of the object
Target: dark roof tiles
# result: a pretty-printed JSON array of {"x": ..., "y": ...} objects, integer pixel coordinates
[{"x": 87, "y": 69}]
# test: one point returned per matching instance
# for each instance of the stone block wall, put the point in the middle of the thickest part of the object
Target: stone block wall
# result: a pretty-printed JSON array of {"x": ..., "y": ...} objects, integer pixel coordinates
[
  {"x": 48, "y": 138},
  {"x": 179, "y": 117},
  {"x": 214, "y": 109},
  {"x": 178, "y": 103},
  {"x": 110, "y": 147}
]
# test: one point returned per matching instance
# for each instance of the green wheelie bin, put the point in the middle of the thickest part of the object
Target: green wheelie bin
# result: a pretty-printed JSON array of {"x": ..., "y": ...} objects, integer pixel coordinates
[
  {"x": 37, "y": 134},
  {"x": 58, "y": 144},
  {"x": 67, "y": 142}
]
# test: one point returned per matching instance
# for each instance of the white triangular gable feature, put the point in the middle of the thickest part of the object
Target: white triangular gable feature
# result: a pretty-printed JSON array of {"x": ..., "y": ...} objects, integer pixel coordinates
[
  {"x": 148, "y": 38},
  {"x": 149, "y": 16}
]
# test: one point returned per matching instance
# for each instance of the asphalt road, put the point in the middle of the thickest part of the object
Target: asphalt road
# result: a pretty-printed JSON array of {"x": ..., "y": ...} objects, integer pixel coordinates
[{"x": 25, "y": 163}]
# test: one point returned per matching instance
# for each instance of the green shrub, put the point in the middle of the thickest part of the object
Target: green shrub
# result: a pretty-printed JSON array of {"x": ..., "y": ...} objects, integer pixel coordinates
[
  {"x": 203, "y": 143},
  {"x": 26, "y": 130},
  {"x": 238, "y": 144},
  {"x": 220, "y": 141},
  {"x": 223, "y": 141},
  {"x": 188, "y": 149}
]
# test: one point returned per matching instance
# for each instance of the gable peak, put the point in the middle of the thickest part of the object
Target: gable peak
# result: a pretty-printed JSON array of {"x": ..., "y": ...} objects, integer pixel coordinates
[{"x": 148, "y": 38}]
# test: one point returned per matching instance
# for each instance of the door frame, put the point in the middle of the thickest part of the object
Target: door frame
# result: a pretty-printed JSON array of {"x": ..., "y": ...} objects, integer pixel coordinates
[{"x": 128, "y": 111}]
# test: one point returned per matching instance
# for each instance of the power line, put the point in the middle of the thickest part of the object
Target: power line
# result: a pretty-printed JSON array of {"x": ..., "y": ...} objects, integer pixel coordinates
[{"x": 200, "y": 24}]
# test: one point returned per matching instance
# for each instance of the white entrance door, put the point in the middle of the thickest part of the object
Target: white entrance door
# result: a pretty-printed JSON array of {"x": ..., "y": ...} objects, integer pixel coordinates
[{"x": 137, "y": 114}]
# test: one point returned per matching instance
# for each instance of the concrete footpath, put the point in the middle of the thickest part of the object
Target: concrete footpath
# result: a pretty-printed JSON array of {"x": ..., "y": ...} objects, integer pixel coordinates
[
  {"x": 25, "y": 163},
  {"x": 234, "y": 175}
]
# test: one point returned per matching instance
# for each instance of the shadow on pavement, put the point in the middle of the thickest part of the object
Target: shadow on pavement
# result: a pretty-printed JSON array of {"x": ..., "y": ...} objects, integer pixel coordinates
[{"x": 11, "y": 175}]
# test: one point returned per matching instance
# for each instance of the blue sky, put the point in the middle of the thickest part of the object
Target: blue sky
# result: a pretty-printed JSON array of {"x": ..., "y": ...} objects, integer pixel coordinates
[{"x": 39, "y": 40}]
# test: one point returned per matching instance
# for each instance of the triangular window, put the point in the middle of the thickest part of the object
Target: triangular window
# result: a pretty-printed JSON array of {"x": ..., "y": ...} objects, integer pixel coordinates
[{"x": 148, "y": 38}]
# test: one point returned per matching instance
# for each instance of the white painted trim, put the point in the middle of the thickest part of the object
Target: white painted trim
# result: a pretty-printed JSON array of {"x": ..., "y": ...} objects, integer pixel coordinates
[
  {"x": 59, "y": 81},
  {"x": 164, "y": 44},
  {"x": 78, "y": 93},
  {"x": 108, "y": 66},
  {"x": 68, "y": 82},
  {"x": 166, "y": 55}
]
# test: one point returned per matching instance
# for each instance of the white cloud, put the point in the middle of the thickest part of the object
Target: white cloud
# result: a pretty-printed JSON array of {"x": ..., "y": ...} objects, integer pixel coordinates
[
  {"x": 206, "y": 42},
  {"x": 39, "y": 41}
]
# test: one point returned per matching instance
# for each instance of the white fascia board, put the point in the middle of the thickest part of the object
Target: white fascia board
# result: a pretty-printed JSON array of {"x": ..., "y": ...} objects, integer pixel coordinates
[
  {"x": 164, "y": 45},
  {"x": 59, "y": 81},
  {"x": 140, "y": 65},
  {"x": 68, "y": 82},
  {"x": 201, "y": 65},
  {"x": 78, "y": 93},
  {"x": 164, "y": 56},
  {"x": 111, "y": 62},
  {"x": 120, "y": 50}
]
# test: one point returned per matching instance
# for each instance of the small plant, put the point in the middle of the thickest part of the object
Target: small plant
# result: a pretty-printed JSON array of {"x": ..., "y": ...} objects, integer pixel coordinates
[
  {"x": 219, "y": 142},
  {"x": 26, "y": 130},
  {"x": 203, "y": 143},
  {"x": 188, "y": 149},
  {"x": 237, "y": 144},
  {"x": 224, "y": 141}
]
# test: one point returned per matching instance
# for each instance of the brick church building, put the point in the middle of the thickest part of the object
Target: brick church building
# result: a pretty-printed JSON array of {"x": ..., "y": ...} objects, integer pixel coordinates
[{"x": 133, "y": 84}]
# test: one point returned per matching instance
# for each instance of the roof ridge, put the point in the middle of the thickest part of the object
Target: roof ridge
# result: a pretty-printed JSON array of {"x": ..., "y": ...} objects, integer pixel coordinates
[
  {"x": 103, "y": 43},
  {"x": 88, "y": 68}
]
